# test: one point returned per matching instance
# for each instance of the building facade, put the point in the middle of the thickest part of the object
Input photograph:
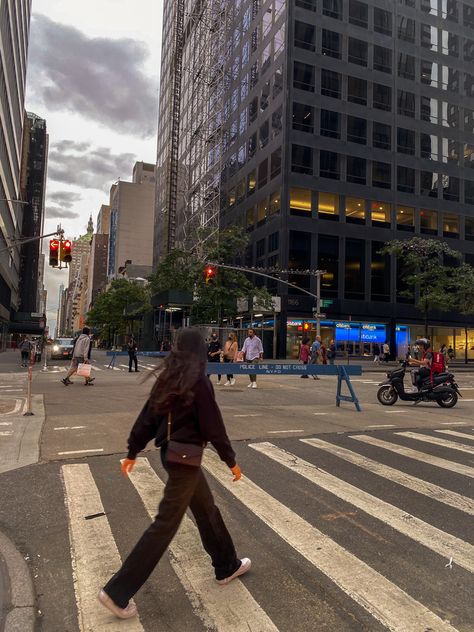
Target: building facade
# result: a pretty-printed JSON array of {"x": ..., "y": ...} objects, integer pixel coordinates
[
  {"x": 347, "y": 124},
  {"x": 14, "y": 33},
  {"x": 97, "y": 279}
]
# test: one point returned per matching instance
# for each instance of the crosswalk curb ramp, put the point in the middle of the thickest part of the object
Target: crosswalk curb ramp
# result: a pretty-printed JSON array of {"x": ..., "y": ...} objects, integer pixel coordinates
[{"x": 392, "y": 602}]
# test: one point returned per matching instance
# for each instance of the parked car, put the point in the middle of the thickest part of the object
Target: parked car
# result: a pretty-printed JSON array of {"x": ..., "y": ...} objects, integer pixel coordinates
[{"x": 62, "y": 349}]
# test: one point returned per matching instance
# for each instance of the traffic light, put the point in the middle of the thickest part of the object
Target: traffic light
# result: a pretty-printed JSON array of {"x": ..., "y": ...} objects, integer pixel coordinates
[
  {"x": 65, "y": 254},
  {"x": 210, "y": 273},
  {"x": 54, "y": 252}
]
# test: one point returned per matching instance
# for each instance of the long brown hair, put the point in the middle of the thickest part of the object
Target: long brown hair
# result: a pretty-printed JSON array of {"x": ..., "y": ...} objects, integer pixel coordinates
[{"x": 182, "y": 369}]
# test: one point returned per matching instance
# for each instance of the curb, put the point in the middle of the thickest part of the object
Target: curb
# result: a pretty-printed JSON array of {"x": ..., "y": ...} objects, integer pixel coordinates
[{"x": 21, "y": 614}]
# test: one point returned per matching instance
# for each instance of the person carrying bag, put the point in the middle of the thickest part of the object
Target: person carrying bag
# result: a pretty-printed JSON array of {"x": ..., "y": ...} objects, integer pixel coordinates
[{"x": 181, "y": 415}]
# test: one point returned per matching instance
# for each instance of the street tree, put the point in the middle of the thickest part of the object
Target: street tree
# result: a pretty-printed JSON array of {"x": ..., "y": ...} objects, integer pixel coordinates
[
  {"x": 429, "y": 270},
  {"x": 464, "y": 298}
]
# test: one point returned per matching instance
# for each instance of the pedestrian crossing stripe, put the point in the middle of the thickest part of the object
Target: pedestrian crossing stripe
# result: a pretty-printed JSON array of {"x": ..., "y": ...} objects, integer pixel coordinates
[
  {"x": 455, "y": 433},
  {"x": 458, "y": 468},
  {"x": 229, "y": 609},
  {"x": 386, "y": 602},
  {"x": 418, "y": 485},
  {"x": 410, "y": 526},
  {"x": 452, "y": 445}
]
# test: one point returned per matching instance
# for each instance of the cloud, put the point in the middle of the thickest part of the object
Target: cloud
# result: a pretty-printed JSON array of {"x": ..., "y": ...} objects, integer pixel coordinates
[
  {"x": 65, "y": 199},
  {"x": 55, "y": 212},
  {"x": 96, "y": 77},
  {"x": 81, "y": 164}
]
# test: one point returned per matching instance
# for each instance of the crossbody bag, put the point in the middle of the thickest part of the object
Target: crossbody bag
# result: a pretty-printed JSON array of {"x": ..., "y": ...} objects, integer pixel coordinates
[{"x": 183, "y": 453}]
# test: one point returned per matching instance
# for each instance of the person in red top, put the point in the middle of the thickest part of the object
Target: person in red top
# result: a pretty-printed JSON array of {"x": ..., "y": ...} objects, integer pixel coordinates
[{"x": 183, "y": 390}]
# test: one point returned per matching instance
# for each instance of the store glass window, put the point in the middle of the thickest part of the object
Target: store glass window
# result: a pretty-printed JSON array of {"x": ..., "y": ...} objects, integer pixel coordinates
[
  {"x": 406, "y": 141},
  {"x": 405, "y": 218},
  {"x": 429, "y": 183},
  {"x": 328, "y": 206},
  {"x": 380, "y": 214},
  {"x": 356, "y": 130},
  {"x": 381, "y": 135},
  {"x": 356, "y": 170},
  {"x": 305, "y": 36},
  {"x": 303, "y": 76},
  {"x": 331, "y": 83},
  {"x": 428, "y": 222},
  {"x": 382, "y": 59},
  {"x": 357, "y": 90},
  {"x": 329, "y": 165},
  {"x": 450, "y": 186},
  {"x": 469, "y": 228},
  {"x": 331, "y": 44},
  {"x": 303, "y": 117},
  {"x": 328, "y": 260},
  {"x": 275, "y": 203},
  {"x": 330, "y": 124},
  {"x": 333, "y": 8},
  {"x": 382, "y": 21},
  {"x": 450, "y": 225},
  {"x": 381, "y": 175},
  {"x": 358, "y": 51},
  {"x": 302, "y": 159},
  {"x": 262, "y": 211},
  {"x": 358, "y": 13},
  {"x": 379, "y": 273},
  {"x": 382, "y": 97},
  {"x": 355, "y": 210},
  {"x": 251, "y": 182},
  {"x": 354, "y": 269},
  {"x": 300, "y": 202}
]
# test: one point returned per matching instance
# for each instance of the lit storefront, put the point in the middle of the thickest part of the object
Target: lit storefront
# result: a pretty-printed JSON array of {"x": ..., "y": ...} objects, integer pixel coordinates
[{"x": 454, "y": 338}]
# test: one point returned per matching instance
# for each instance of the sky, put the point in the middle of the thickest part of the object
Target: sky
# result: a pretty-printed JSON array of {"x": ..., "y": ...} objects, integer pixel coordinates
[{"x": 93, "y": 74}]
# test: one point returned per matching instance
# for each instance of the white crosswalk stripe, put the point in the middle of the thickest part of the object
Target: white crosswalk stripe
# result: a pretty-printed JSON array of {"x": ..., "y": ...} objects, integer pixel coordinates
[
  {"x": 435, "y": 441},
  {"x": 454, "y": 433}
]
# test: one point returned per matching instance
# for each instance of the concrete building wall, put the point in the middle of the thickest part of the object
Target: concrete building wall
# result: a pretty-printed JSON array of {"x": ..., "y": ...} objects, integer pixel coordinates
[
  {"x": 97, "y": 268},
  {"x": 103, "y": 220}
]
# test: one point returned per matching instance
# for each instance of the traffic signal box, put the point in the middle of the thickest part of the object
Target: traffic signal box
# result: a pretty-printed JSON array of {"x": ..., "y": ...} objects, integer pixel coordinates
[
  {"x": 54, "y": 252},
  {"x": 65, "y": 251},
  {"x": 210, "y": 273}
]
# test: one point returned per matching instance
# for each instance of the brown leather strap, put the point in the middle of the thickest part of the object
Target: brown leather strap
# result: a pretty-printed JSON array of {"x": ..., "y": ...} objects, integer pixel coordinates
[{"x": 169, "y": 425}]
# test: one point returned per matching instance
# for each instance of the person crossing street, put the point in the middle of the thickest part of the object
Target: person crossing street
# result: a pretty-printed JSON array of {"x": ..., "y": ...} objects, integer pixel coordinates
[
  {"x": 253, "y": 353},
  {"x": 80, "y": 355},
  {"x": 132, "y": 349}
]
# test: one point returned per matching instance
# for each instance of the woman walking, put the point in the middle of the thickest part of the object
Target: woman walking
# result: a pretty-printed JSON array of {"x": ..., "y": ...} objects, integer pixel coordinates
[
  {"x": 305, "y": 353},
  {"x": 230, "y": 352},
  {"x": 181, "y": 414}
]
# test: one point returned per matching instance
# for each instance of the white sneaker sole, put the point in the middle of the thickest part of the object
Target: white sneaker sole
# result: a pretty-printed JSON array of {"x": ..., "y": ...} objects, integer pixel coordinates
[{"x": 243, "y": 568}]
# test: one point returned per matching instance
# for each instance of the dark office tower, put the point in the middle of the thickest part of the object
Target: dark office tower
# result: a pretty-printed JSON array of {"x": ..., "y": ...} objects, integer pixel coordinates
[
  {"x": 346, "y": 124},
  {"x": 14, "y": 31},
  {"x": 32, "y": 187}
]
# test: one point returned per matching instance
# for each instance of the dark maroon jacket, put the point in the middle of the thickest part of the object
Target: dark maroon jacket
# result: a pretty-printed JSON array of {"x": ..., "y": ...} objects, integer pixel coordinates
[{"x": 198, "y": 423}]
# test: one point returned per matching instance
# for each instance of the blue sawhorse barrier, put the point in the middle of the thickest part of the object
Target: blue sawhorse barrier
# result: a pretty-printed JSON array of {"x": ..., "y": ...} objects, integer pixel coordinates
[{"x": 269, "y": 368}]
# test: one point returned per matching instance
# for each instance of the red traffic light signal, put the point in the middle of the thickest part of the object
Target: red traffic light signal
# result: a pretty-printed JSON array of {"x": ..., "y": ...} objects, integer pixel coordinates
[
  {"x": 210, "y": 273},
  {"x": 53, "y": 252},
  {"x": 66, "y": 247}
]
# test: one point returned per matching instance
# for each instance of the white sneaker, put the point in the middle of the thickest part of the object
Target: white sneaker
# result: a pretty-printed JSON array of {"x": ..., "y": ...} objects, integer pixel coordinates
[
  {"x": 254, "y": 384},
  {"x": 243, "y": 568},
  {"x": 249, "y": 385},
  {"x": 227, "y": 383},
  {"x": 232, "y": 382},
  {"x": 218, "y": 383}
]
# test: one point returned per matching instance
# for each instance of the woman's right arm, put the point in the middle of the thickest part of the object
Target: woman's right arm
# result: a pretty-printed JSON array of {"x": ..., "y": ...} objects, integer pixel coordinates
[{"x": 143, "y": 431}]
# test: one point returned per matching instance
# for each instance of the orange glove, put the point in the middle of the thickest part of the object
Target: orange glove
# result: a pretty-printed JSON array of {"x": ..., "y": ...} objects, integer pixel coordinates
[
  {"x": 236, "y": 472},
  {"x": 127, "y": 466}
]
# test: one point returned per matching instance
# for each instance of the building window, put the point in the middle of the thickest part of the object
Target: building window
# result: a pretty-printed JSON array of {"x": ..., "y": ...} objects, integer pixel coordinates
[
  {"x": 406, "y": 29},
  {"x": 276, "y": 121},
  {"x": 382, "y": 59},
  {"x": 429, "y": 110},
  {"x": 310, "y": 5},
  {"x": 358, "y": 52},
  {"x": 429, "y": 73},
  {"x": 381, "y": 175},
  {"x": 358, "y": 13},
  {"x": 468, "y": 50},
  {"x": 262, "y": 173},
  {"x": 406, "y": 66},
  {"x": 450, "y": 188},
  {"x": 331, "y": 83},
  {"x": 380, "y": 214},
  {"x": 449, "y": 44},
  {"x": 449, "y": 10},
  {"x": 406, "y": 218},
  {"x": 275, "y": 203},
  {"x": 275, "y": 163},
  {"x": 357, "y": 90},
  {"x": 329, "y": 165},
  {"x": 263, "y": 134},
  {"x": 250, "y": 218},
  {"x": 278, "y": 81},
  {"x": 469, "y": 156},
  {"x": 469, "y": 85},
  {"x": 356, "y": 130},
  {"x": 469, "y": 228},
  {"x": 273, "y": 242},
  {"x": 450, "y": 225},
  {"x": 468, "y": 192},
  {"x": 303, "y": 76},
  {"x": 262, "y": 211},
  {"x": 468, "y": 15},
  {"x": 260, "y": 248},
  {"x": 305, "y": 36},
  {"x": 382, "y": 97},
  {"x": 354, "y": 269},
  {"x": 406, "y": 103},
  {"x": 251, "y": 182},
  {"x": 405, "y": 141},
  {"x": 382, "y": 136},
  {"x": 302, "y": 159},
  {"x": 355, "y": 211},
  {"x": 328, "y": 206},
  {"x": 428, "y": 222},
  {"x": 333, "y": 8},
  {"x": 300, "y": 202},
  {"x": 252, "y": 145},
  {"x": 356, "y": 171},
  {"x": 330, "y": 124},
  {"x": 429, "y": 37},
  {"x": 331, "y": 44},
  {"x": 405, "y": 179},
  {"x": 253, "y": 109},
  {"x": 429, "y": 183},
  {"x": 265, "y": 96},
  {"x": 382, "y": 21},
  {"x": 429, "y": 6},
  {"x": 303, "y": 117},
  {"x": 299, "y": 258},
  {"x": 429, "y": 146},
  {"x": 328, "y": 260},
  {"x": 379, "y": 273}
]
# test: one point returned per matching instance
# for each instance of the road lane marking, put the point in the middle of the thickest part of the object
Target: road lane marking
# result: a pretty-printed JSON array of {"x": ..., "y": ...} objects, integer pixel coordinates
[
  {"x": 18, "y": 404},
  {"x": 431, "y": 490},
  {"x": 6, "y": 433},
  {"x": 382, "y": 426},
  {"x": 398, "y": 411},
  {"x": 437, "y": 461},
  {"x": 6, "y": 423},
  {"x": 249, "y": 415},
  {"x": 319, "y": 414},
  {"x": 112, "y": 367},
  {"x": 385, "y": 601},
  {"x": 442, "y": 543},
  {"x": 94, "y": 554},
  {"x": 80, "y": 451},
  {"x": 69, "y": 427},
  {"x": 283, "y": 431},
  {"x": 453, "y": 423},
  {"x": 467, "y": 400},
  {"x": 237, "y": 611},
  {"x": 454, "y": 433},
  {"x": 452, "y": 445}
]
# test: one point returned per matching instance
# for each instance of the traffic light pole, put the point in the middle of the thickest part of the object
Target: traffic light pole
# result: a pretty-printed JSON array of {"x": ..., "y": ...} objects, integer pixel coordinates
[{"x": 20, "y": 242}]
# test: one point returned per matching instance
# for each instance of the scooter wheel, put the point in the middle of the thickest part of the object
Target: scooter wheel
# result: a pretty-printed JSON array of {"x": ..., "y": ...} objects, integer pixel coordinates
[
  {"x": 387, "y": 395},
  {"x": 448, "y": 400}
]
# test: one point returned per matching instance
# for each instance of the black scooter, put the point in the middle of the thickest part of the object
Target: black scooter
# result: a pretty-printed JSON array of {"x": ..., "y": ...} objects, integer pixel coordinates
[{"x": 442, "y": 389}]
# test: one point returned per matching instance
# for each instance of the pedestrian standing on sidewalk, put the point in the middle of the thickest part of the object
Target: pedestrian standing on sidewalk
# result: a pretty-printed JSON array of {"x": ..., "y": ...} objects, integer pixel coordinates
[
  {"x": 230, "y": 352},
  {"x": 253, "y": 352},
  {"x": 376, "y": 353},
  {"x": 386, "y": 352},
  {"x": 181, "y": 408},
  {"x": 316, "y": 354},
  {"x": 81, "y": 354},
  {"x": 25, "y": 349},
  {"x": 214, "y": 351},
  {"x": 305, "y": 354},
  {"x": 332, "y": 351},
  {"x": 132, "y": 349}
]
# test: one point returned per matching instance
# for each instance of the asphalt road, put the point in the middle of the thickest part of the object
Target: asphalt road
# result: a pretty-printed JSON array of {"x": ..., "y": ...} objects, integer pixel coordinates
[{"x": 351, "y": 532}]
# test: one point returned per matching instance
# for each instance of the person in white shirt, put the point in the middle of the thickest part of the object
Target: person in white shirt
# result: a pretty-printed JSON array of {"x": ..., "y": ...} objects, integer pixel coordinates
[{"x": 253, "y": 352}]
